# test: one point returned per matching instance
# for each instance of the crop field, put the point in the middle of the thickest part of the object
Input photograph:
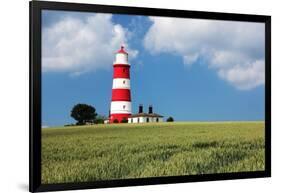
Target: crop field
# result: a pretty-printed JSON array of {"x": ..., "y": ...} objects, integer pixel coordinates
[{"x": 122, "y": 151}]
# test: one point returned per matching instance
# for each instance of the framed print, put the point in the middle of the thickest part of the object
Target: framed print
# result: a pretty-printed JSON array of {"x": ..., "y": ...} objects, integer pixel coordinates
[{"x": 125, "y": 96}]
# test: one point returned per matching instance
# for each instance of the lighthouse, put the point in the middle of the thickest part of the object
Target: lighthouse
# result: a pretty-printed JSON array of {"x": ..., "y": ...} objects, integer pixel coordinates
[{"x": 120, "y": 108}]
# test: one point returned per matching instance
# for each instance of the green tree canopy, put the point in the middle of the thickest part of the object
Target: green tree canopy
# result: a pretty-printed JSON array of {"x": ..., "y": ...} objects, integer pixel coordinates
[
  {"x": 170, "y": 119},
  {"x": 124, "y": 120},
  {"x": 83, "y": 113},
  {"x": 100, "y": 119}
]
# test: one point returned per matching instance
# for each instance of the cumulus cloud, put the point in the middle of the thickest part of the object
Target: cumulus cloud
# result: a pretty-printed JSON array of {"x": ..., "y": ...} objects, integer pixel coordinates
[
  {"x": 235, "y": 50},
  {"x": 77, "y": 45}
]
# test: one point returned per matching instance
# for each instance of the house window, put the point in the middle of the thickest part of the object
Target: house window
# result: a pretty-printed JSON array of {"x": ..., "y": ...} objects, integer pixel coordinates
[
  {"x": 124, "y": 106},
  {"x": 147, "y": 119},
  {"x": 138, "y": 120},
  {"x": 124, "y": 81},
  {"x": 157, "y": 119}
]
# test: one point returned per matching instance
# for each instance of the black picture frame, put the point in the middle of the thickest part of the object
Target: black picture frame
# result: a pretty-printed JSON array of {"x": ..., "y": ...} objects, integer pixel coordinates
[{"x": 36, "y": 8}]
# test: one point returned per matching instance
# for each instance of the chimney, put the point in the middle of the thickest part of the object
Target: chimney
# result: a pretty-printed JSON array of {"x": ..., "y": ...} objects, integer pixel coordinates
[
  {"x": 140, "y": 108},
  {"x": 150, "y": 111}
]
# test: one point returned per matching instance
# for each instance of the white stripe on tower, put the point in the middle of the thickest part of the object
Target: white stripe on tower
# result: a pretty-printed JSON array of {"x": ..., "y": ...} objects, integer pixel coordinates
[
  {"x": 121, "y": 107},
  {"x": 121, "y": 83},
  {"x": 121, "y": 57}
]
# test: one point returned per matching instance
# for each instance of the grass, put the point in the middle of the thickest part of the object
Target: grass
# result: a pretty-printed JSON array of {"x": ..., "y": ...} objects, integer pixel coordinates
[{"x": 121, "y": 151}]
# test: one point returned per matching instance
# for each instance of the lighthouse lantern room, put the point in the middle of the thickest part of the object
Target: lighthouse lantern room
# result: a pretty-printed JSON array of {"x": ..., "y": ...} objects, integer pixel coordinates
[{"x": 120, "y": 108}]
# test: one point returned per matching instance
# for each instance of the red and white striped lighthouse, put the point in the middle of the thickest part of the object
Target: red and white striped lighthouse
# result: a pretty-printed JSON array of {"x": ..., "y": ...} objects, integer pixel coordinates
[{"x": 120, "y": 107}]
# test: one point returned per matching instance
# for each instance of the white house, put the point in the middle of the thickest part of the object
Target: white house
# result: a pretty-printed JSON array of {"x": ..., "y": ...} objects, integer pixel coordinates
[{"x": 142, "y": 117}]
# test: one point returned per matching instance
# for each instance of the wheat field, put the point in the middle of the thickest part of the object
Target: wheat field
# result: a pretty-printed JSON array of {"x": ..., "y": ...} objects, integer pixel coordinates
[{"x": 122, "y": 151}]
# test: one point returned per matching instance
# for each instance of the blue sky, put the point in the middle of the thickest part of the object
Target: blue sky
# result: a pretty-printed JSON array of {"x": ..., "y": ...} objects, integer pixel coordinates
[{"x": 190, "y": 69}]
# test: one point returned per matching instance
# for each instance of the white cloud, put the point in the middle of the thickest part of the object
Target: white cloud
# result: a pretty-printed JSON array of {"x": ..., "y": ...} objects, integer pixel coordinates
[
  {"x": 77, "y": 45},
  {"x": 244, "y": 77},
  {"x": 234, "y": 49}
]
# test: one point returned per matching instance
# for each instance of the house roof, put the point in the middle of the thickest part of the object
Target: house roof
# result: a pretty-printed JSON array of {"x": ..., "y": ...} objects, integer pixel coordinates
[{"x": 145, "y": 115}]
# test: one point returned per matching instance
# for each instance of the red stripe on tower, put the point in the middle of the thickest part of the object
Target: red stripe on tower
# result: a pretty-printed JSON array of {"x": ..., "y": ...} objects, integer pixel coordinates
[
  {"x": 121, "y": 95},
  {"x": 120, "y": 108},
  {"x": 121, "y": 71}
]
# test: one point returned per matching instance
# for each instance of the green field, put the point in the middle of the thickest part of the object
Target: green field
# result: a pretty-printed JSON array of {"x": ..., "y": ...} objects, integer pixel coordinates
[{"x": 120, "y": 151}]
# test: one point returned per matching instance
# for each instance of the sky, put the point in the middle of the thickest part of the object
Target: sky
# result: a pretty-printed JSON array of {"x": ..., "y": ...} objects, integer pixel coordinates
[{"x": 190, "y": 69}]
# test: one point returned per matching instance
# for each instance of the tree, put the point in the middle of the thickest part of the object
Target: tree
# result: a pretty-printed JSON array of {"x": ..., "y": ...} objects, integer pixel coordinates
[
  {"x": 124, "y": 120},
  {"x": 99, "y": 119},
  {"x": 83, "y": 113},
  {"x": 170, "y": 119}
]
